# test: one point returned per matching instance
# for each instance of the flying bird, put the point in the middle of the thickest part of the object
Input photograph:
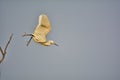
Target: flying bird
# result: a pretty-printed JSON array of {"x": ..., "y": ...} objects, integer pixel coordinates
[{"x": 41, "y": 31}]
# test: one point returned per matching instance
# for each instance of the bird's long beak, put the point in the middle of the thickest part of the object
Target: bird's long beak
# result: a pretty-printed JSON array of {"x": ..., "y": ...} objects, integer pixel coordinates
[{"x": 56, "y": 44}]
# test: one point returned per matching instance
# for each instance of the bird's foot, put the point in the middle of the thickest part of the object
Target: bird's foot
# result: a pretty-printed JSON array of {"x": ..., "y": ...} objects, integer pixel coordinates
[{"x": 25, "y": 34}]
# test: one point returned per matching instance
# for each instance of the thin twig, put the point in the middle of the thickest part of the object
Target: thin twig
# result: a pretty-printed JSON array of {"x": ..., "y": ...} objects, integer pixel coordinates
[
  {"x": 3, "y": 53},
  {"x": 8, "y": 43}
]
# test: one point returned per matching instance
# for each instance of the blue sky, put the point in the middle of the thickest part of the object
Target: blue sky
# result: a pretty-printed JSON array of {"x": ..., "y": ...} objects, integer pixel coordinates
[{"x": 88, "y": 33}]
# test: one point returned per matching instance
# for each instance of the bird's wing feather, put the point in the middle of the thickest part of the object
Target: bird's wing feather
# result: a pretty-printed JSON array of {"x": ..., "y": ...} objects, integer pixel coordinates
[{"x": 42, "y": 29}]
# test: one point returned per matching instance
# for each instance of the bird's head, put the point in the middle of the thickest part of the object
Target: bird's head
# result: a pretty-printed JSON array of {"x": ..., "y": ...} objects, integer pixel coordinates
[{"x": 53, "y": 43}]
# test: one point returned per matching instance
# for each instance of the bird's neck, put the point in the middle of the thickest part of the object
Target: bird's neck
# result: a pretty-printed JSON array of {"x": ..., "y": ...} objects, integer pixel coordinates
[{"x": 47, "y": 43}]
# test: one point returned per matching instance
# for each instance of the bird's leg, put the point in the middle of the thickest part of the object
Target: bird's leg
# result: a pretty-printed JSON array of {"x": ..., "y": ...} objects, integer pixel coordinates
[
  {"x": 29, "y": 41},
  {"x": 25, "y": 34}
]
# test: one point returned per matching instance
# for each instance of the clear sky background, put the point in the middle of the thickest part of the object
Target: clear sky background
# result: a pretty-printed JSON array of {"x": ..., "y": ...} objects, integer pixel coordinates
[{"x": 88, "y": 33}]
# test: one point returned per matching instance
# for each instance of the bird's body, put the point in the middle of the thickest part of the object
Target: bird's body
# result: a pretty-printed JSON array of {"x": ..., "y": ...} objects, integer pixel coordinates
[
  {"x": 42, "y": 29},
  {"x": 40, "y": 33}
]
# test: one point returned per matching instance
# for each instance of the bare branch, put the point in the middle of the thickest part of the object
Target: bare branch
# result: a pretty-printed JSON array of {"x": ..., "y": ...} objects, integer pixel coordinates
[
  {"x": 8, "y": 43},
  {"x": 3, "y": 53},
  {"x": 3, "y": 56}
]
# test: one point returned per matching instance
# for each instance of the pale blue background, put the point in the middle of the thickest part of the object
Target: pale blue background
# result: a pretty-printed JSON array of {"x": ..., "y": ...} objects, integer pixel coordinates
[{"x": 88, "y": 33}]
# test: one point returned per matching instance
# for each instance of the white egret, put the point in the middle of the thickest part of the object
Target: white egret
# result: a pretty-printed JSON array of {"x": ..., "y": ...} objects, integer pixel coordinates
[{"x": 40, "y": 33}]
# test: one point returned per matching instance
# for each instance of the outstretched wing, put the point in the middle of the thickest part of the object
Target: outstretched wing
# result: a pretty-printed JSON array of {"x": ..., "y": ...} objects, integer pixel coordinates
[{"x": 42, "y": 29}]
